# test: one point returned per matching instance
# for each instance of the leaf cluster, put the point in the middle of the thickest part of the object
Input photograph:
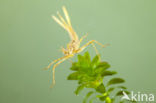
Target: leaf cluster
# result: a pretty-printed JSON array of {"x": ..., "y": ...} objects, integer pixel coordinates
[{"x": 90, "y": 74}]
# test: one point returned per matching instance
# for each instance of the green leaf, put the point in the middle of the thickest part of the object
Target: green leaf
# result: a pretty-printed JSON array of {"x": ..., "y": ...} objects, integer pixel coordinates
[
  {"x": 99, "y": 70},
  {"x": 104, "y": 65},
  {"x": 101, "y": 88},
  {"x": 95, "y": 61},
  {"x": 108, "y": 73},
  {"x": 87, "y": 57},
  {"x": 110, "y": 89},
  {"x": 120, "y": 93},
  {"x": 87, "y": 96},
  {"x": 79, "y": 89},
  {"x": 75, "y": 66},
  {"x": 122, "y": 87},
  {"x": 84, "y": 65},
  {"x": 102, "y": 98},
  {"x": 80, "y": 59},
  {"x": 115, "y": 81},
  {"x": 73, "y": 76}
]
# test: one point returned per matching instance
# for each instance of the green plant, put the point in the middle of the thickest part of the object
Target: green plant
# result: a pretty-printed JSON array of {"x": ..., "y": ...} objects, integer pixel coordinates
[{"x": 90, "y": 74}]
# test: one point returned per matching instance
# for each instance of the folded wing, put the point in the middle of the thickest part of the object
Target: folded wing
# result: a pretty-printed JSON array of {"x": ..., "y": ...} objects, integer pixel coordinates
[{"x": 66, "y": 24}]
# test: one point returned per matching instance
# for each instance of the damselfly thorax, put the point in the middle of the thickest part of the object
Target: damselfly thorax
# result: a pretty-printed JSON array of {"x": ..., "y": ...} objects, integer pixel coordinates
[{"x": 72, "y": 47}]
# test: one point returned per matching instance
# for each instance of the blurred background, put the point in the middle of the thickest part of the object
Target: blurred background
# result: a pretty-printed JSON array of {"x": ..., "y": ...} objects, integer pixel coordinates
[{"x": 30, "y": 39}]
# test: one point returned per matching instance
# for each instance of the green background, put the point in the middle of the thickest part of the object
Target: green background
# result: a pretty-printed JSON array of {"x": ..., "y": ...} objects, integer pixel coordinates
[{"x": 30, "y": 39}]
